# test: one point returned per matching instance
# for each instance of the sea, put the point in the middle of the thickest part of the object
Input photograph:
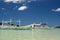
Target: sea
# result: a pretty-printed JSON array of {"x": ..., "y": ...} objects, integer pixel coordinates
[{"x": 32, "y": 34}]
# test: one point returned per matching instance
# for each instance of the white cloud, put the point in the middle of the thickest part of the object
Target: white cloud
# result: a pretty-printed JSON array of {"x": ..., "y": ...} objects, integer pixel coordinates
[
  {"x": 22, "y": 8},
  {"x": 19, "y": 1},
  {"x": 14, "y": 1},
  {"x": 56, "y": 10}
]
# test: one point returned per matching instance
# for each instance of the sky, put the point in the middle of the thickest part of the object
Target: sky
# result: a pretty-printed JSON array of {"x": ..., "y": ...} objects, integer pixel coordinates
[{"x": 31, "y": 11}]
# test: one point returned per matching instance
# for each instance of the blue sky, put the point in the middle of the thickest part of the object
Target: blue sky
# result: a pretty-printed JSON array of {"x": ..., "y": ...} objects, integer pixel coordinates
[{"x": 31, "y": 11}]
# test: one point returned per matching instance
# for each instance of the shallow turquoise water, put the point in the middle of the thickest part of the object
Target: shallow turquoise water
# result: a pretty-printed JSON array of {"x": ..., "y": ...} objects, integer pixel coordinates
[{"x": 34, "y": 34}]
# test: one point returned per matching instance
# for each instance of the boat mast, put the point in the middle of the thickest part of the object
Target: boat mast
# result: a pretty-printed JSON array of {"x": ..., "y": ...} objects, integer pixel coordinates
[
  {"x": 10, "y": 21},
  {"x": 19, "y": 22}
]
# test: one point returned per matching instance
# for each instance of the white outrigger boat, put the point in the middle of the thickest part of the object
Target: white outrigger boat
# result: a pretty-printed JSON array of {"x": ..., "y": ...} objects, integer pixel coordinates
[
  {"x": 16, "y": 28},
  {"x": 7, "y": 25}
]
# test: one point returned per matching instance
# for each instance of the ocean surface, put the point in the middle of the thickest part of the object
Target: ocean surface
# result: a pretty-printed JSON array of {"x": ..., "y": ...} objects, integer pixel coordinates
[{"x": 34, "y": 34}]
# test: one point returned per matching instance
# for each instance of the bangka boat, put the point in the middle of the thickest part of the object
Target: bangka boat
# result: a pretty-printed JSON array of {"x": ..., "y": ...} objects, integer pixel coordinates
[{"x": 16, "y": 28}]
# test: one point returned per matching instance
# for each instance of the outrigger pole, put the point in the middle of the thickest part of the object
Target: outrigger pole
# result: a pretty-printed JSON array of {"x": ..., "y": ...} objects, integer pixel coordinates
[
  {"x": 10, "y": 21},
  {"x": 18, "y": 22},
  {"x": 6, "y": 22}
]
